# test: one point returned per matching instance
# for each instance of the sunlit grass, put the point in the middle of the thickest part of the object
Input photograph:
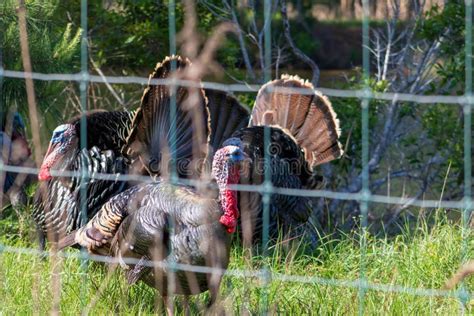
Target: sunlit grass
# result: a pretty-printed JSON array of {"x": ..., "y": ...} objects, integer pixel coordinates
[{"x": 421, "y": 258}]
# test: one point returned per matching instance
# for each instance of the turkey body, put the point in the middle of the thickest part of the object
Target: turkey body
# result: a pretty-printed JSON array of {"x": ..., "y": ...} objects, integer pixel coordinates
[
  {"x": 169, "y": 223},
  {"x": 58, "y": 202},
  {"x": 287, "y": 169},
  {"x": 145, "y": 216}
]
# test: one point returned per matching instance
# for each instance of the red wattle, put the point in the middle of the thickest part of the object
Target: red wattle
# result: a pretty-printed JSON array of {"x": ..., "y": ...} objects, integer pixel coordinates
[
  {"x": 229, "y": 223},
  {"x": 44, "y": 174},
  {"x": 229, "y": 203}
]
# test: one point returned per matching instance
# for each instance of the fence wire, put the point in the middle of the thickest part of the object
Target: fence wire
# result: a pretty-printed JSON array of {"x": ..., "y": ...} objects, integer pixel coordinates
[
  {"x": 264, "y": 188},
  {"x": 340, "y": 93},
  {"x": 365, "y": 197}
]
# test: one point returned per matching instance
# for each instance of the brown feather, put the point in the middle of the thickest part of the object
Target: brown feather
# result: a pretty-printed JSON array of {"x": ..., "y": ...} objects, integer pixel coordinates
[
  {"x": 306, "y": 114},
  {"x": 150, "y": 140}
]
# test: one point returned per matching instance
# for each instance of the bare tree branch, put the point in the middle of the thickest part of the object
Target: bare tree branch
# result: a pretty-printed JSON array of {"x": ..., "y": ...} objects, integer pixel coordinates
[
  {"x": 243, "y": 47},
  {"x": 299, "y": 53},
  {"x": 405, "y": 62}
]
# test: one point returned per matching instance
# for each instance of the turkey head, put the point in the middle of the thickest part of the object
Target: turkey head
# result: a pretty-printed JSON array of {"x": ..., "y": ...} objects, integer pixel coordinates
[{"x": 64, "y": 138}]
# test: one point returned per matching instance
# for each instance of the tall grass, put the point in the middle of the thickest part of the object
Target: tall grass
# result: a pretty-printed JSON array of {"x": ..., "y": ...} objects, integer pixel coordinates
[{"x": 423, "y": 257}]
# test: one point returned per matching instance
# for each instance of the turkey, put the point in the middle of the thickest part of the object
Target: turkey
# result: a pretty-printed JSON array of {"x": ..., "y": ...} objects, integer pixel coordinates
[
  {"x": 117, "y": 143},
  {"x": 57, "y": 208},
  {"x": 15, "y": 152},
  {"x": 137, "y": 222},
  {"x": 303, "y": 133}
]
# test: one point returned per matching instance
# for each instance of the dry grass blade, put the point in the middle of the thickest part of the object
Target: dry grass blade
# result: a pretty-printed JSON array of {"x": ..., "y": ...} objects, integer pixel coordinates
[
  {"x": 30, "y": 90},
  {"x": 34, "y": 122},
  {"x": 465, "y": 271}
]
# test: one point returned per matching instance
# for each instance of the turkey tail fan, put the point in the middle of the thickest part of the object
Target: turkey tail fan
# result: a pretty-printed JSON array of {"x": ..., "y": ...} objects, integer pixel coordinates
[
  {"x": 105, "y": 129},
  {"x": 227, "y": 115},
  {"x": 155, "y": 140},
  {"x": 304, "y": 113}
]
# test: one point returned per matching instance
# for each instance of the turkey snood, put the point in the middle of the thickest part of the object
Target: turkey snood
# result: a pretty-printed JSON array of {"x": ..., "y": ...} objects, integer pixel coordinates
[{"x": 226, "y": 171}]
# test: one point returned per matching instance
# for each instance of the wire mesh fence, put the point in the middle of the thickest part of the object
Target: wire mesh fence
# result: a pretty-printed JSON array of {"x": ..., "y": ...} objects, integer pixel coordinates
[{"x": 365, "y": 197}]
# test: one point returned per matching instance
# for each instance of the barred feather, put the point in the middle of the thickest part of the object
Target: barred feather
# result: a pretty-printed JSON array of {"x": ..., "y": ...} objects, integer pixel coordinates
[{"x": 136, "y": 224}]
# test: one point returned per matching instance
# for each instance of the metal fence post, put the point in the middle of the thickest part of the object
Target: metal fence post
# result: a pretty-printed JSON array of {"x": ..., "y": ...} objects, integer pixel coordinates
[{"x": 83, "y": 88}]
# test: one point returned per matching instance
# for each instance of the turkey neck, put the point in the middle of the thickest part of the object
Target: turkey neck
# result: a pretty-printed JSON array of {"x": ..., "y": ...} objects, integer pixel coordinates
[{"x": 228, "y": 199}]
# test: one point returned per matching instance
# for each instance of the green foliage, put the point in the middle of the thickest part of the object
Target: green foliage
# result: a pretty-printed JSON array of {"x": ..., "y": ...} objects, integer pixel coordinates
[
  {"x": 129, "y": 35},
  {"x": 132, "y": 35},
  {"x": 448, "y": 26},
  {"x": 349, "y": 115},
  {"x": 54, "y": 48},
  {"x": 307, "y": 43},
  {"x": 444, "y": 123},
  {"x": 444, "y": 126},
  {"x": 248, "y": 99},
  {"x": 229, "y": 56}
]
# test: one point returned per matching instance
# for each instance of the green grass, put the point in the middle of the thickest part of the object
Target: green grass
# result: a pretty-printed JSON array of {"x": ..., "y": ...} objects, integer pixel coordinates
[{"x": 423, "y": 257}]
